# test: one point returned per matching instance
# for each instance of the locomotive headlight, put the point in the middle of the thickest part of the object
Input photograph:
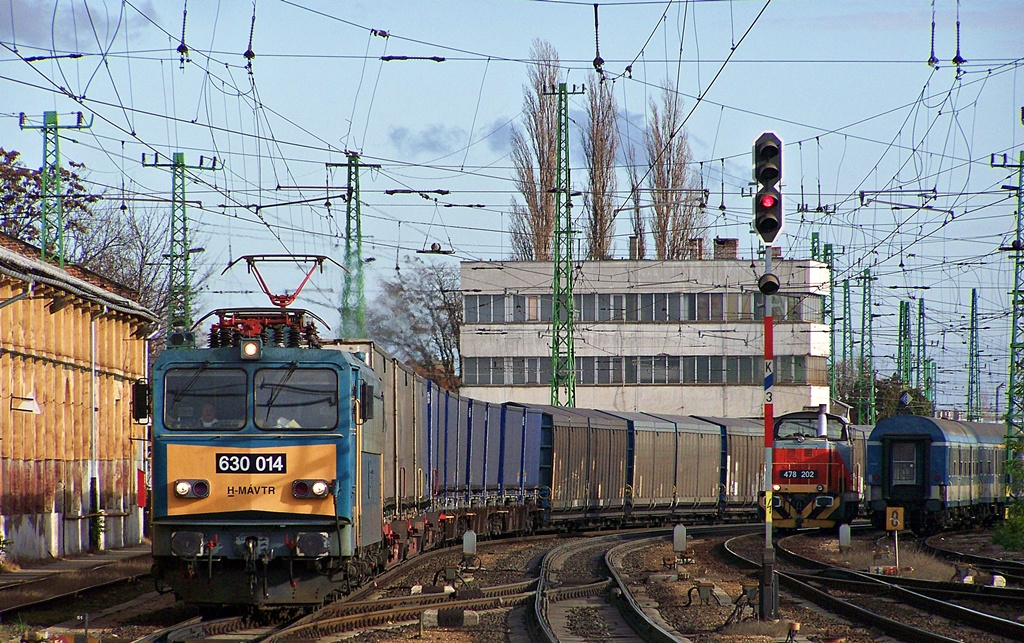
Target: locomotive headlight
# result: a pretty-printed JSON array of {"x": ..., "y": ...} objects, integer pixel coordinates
[
  {"x": 821, "y": 487},
  {"x": 191, "y": 488},
  {"x": 776, "y": 487},
  {"x": 310, "y": 488}
]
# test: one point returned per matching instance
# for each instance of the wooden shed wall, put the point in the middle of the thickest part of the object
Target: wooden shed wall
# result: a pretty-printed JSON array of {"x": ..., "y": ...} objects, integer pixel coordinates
[{"x": 46, "y": 352}]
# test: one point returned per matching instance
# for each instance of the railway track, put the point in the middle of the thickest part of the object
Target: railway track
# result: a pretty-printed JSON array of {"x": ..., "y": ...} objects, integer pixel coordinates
[
  {"x": 571, "y": 608},
  {"x": 841, "y": 592},
  {"x": 1011, "y": 570}
]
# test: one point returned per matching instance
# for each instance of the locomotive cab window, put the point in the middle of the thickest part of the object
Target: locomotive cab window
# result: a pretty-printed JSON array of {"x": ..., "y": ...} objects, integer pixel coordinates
[
  {"x": 296, "y": 398},
  {"x": 808, "y": 428},
  {"x": 204, "y": 398}
]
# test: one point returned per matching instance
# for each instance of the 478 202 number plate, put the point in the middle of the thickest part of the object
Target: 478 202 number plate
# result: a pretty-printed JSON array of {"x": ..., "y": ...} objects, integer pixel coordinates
[
  {"x": 799, "y": 475},
  {"x": 252, "y": 463}
]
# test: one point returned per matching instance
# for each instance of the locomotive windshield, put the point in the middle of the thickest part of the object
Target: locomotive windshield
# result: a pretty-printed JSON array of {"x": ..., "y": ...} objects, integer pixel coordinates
[
  {"x": 807, "y": 427},
  {"x": 296, "y": 398},
  {"x": 204, "y": 398}
]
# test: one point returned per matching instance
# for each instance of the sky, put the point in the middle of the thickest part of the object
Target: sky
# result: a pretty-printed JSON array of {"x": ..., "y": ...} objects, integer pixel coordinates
[{"x": 886, "y": 157}]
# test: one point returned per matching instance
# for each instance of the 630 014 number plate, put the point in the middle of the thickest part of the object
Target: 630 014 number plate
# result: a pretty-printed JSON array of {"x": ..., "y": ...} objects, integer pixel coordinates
[
  {"x": 800, "y": 475},
  {"x": 252, "y": 463}
]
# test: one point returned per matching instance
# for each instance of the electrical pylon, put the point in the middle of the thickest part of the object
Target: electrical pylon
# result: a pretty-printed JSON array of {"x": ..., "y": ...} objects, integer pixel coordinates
[
  {"x": 973, "y": 365},
  {"x": 51, "y": 223},
  {"x": 179, "y": 296},
  {"x": 866, "y": 400},
  {"x": 563, "y": 314}
]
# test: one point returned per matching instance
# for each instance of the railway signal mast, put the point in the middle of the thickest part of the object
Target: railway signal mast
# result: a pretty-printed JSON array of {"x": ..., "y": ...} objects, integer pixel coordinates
[{"x": 767, "y": 162}]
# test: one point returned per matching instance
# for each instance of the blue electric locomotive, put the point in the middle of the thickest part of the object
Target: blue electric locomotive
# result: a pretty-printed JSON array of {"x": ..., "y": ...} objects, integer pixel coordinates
[
  {"x": 944, "y": 473},
  {"x": 267, "y": 461}
]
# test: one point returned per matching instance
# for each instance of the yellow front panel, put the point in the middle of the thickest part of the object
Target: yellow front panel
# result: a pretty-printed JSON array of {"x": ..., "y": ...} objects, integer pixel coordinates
[{"x": 250, "y": 491}]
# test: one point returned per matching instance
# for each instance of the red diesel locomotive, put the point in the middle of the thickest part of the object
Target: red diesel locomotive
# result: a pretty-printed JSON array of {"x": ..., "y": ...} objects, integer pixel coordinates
[{"x": 817, "y": 470}]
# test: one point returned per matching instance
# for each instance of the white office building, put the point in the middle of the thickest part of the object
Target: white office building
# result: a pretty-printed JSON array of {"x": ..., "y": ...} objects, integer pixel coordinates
[{"x": 682, "y": 337}]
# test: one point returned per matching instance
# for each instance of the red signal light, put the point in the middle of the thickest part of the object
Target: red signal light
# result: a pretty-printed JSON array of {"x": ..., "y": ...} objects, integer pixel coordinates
[
  {"x": 301, "y": 489},
  {"x": 767, "y": 201}
]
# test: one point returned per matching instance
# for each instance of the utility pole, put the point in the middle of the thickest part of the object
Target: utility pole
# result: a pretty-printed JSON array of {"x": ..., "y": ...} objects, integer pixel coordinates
[
  {"x": 353, "y": 305},
  {"x": 51, "y": 224},
  {"x": 866, "y": 398},
  {"x": 563, "y": 350},
  {"x": 973, "y": 365},
  {"x": 179, "y": 299},
  {"x": 1015, "y": 390}
]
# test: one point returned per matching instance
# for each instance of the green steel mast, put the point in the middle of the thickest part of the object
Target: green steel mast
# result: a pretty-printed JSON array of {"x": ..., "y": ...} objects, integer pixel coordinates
[
  {"x": 1015, "y": 407},
  {"x": 51, "y": 224},
  {"x": 353, "y": 309},
  {"x": 903, "y": 363},
  {"x": 179, "y": 297},
  {"x": 919, "y": 367},
  {"x": 848, "y": 331},
  {"x": 866, "y": 399},
  {"x": 829, "y": 316},
  {"x": 563, "y": 352},
  {"x": 973, "y": 365}
]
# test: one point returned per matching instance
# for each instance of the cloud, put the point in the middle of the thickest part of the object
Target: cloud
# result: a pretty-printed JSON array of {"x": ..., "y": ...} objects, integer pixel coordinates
[
  {"x": 434, "y": 139},
  {"x": 60, "y": 26},
  {"x": 498, "y": 134}
]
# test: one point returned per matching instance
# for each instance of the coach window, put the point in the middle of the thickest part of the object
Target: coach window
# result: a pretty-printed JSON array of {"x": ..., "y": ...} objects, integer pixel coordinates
[
  {"x": 221, "y": 391},
  {"x": 904, "y": 463},
  {"x": 296, "y": 398}
]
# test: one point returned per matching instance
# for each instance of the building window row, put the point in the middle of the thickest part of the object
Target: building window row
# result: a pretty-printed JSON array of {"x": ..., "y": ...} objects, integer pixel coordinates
[
  {"x": 646, "y": 369},
  {"x": 644, "y": 307}
]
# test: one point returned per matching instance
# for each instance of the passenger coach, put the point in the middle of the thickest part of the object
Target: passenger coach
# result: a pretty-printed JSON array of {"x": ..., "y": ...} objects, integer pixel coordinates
[{"x": 942, "y": 472}]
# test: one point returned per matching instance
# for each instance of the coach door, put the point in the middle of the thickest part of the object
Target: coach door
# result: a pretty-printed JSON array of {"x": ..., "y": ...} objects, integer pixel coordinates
[{"x": 907, "y": 459}]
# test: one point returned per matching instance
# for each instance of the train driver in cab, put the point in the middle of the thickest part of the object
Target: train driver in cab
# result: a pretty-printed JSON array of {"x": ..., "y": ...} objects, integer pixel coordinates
[{"x": 209, "y": 416}]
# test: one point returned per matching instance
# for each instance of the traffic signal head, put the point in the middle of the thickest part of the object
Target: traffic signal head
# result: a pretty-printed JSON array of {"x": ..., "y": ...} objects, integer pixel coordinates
[{"x": 767, "y": 161}]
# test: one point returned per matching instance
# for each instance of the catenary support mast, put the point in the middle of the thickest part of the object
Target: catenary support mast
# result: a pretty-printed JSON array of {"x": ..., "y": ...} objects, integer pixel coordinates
[
  {"x": 973, "y": 364},
  {"x": 179, "y": 300},
  {"x": 51, "y": 224},
  {"x": 1015, "y": 394},
  {"x": 563, "y": 351},
  {"x": 866, "y": 397}
]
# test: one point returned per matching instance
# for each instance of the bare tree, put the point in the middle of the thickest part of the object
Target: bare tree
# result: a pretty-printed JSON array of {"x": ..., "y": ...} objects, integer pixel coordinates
[
  {"x": 673, "y": 185},
  {"x": 533, "y": 157},
  {"x": 600, "y": 143},
  {"x": 129, "y": 248},
  {"x": 417, "y": 316},
  {"x": 636, "y": 218}
]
